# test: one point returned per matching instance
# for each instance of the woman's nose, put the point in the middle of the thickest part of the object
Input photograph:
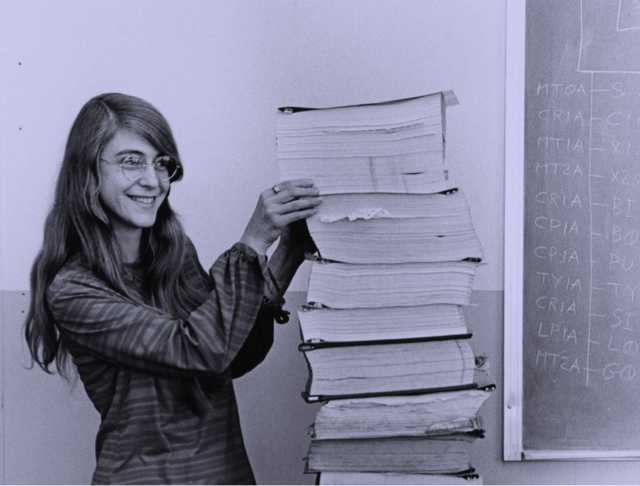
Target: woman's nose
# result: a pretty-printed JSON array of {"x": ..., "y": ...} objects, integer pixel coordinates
[{"x": 149, "y": 177}]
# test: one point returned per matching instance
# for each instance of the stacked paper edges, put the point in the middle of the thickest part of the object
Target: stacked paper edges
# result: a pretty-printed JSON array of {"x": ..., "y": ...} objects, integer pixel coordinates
[{"x": 383, "y": 332}]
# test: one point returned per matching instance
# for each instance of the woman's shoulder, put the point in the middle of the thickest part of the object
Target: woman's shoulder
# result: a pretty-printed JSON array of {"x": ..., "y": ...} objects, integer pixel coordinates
[
  {"x": 74, "y": 268},
  {"x": 75, "y": 273}
]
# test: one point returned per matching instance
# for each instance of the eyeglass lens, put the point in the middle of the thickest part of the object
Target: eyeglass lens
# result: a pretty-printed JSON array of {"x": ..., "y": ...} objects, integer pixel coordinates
[{"x": 134, "y": 167}]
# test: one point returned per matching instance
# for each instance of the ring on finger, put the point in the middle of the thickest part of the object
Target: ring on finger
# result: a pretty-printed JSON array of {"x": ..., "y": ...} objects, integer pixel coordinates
[{"x": 276, "y": 189}]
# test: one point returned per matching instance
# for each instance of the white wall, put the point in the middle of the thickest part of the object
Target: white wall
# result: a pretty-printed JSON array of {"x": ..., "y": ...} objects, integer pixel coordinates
[
  {"x": 218, "y": 70},
  {"x": 364, "y": 51},
  {"x": 213, "y": 69}
]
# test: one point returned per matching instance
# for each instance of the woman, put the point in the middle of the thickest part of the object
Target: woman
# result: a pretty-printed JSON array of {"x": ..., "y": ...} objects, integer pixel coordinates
[{"x": 156, "y": 340}]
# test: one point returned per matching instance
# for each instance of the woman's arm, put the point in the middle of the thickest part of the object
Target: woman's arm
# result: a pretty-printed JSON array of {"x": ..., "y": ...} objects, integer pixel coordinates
[
  {"x": 283, "y": 264},
  {"x": 289, "y": 255},
  {"x": 118, "y": 330},
  {"x": 256, "y": 346}
]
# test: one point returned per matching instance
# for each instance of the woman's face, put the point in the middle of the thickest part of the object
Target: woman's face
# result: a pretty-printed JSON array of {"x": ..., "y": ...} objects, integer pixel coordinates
[{"x": 130, "y": 205}]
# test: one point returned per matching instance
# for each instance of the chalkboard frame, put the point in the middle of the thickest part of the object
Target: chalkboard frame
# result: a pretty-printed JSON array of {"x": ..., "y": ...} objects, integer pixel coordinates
[
  {"x": 514, "y": 247},
  {"x": 514, "y": 219}
]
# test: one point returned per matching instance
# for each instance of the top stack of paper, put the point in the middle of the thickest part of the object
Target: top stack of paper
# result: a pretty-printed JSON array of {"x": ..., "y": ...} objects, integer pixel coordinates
[{"x": 394, "y": 147}]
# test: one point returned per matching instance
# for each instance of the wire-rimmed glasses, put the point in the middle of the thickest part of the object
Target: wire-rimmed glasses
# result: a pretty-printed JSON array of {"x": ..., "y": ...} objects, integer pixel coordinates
[{"x": 133, "y": 167}]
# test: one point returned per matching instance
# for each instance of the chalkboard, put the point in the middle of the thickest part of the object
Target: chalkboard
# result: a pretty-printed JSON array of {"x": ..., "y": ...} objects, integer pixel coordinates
[{"x": 581, "y": 247}]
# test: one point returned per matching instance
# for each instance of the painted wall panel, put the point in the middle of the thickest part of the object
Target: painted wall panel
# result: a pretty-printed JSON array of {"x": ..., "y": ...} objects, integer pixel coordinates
[{"x": 49, "y": 423}]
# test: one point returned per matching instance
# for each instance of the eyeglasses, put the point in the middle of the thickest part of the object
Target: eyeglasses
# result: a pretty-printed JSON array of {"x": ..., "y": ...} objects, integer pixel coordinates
[{"x": 134, "y": 167}]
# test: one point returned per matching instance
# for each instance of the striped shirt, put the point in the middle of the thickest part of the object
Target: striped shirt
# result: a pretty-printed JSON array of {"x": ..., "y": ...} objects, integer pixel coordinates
[{"x": 134, "y": 361}]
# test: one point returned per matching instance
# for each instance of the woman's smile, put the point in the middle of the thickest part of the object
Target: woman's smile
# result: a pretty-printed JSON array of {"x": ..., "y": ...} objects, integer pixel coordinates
[{"x": 143, "y": 200}]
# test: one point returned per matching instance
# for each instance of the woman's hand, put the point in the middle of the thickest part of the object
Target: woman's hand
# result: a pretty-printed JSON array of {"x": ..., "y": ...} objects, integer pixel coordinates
[{"x": 277, "y": 208}]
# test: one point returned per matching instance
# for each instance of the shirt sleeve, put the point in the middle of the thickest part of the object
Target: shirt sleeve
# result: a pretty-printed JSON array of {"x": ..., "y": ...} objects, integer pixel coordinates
[
  {"x": 260, "y": 339},
  {"x": 116, "y": 329}
]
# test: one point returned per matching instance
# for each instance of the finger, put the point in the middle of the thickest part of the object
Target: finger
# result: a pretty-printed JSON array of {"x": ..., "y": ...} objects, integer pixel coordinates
[
  {"x": 301, "y": 204},
  {"x": 293, "y": 188},
  {"x": 287, "y": 194},
  {"x": 298, "y": 216},
  {"x": 297, "y": 191}
]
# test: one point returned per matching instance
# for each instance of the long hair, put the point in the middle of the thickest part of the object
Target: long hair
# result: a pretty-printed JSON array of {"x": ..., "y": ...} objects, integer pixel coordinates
[{"x": 77, "y": 225}]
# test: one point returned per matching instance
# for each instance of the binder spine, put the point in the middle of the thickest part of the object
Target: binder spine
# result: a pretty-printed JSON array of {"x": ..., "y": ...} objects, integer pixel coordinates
[
  {"x": 326, "y": 398},
  {"x": 334, "y": 344}
]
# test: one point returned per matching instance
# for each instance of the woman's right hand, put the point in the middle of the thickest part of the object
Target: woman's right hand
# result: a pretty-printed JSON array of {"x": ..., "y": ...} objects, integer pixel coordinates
[{"x": 277, "y": 207}]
